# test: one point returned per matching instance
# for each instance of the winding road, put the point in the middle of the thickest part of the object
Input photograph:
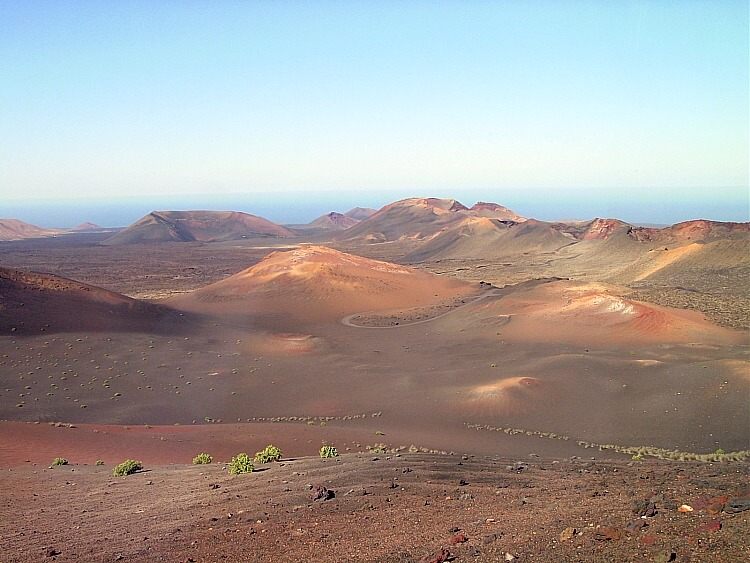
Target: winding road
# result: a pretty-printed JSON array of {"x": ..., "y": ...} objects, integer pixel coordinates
[{"x": 347, "y": 321}]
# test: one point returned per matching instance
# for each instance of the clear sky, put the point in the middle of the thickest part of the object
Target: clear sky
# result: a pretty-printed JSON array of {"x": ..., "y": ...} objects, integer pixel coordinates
[{"x": 561, "y": 109}]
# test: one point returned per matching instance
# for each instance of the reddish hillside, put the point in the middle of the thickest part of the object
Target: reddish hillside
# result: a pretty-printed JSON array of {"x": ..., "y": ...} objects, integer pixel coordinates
[
  {"x": 318, "y": 283},
  {"x": 699, "y": 230},
  {"x": 203, "y": 226},
  {"x": 482, "y": 238},
  {"x": 409, "y": 218},
  {"x": 31, "y": 303}
]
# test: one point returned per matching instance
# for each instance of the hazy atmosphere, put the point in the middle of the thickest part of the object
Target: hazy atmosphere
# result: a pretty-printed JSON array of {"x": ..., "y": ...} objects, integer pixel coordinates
[
  {"x": 560, "y": 109},
  {"x": 374, "y": 281}
]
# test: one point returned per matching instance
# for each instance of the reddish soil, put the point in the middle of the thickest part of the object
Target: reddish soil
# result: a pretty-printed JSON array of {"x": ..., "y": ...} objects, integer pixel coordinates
[{"x": 407, "y": 508}]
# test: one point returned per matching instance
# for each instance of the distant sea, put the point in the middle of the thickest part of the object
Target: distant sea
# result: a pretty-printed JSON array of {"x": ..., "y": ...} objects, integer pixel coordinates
[{"x": 654, "y": 207}]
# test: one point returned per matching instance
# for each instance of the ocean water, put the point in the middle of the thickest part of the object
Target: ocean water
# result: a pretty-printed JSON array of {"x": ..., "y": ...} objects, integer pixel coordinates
[{"x": 637, "y": 207}]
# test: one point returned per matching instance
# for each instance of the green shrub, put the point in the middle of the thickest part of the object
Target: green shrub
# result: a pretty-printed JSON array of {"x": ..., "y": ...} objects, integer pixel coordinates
[
  {"x": 202, "y": 459},
  {"x": 719, "y": 451},
  {"x": 241, "y": 463},
  {"x": 127, "y": 467},
  {"x": 637, "y": 457},
  {"x": 99, "y": 462},
  {"x": 268, "y": 454},
  {"x": 59, "y": 461},
  {"x": 328, "y": 451}
]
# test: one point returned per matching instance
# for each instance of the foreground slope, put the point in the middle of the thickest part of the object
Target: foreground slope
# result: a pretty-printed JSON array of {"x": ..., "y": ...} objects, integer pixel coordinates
[
  {"x": 315, "y": 283},
  {"x": 411, "y": 508},
  {"x": 32, "y": 303},
  {"x": 202, "y": 226}
]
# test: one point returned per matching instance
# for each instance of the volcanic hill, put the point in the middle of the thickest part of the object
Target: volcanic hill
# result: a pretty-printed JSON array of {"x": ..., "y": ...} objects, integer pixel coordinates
[
  {"x": 315, "y": 283},
  {"x": 31, "y": 302},
  {"x": 13, "y": 229},
  {"x": 202, "y": 226}
]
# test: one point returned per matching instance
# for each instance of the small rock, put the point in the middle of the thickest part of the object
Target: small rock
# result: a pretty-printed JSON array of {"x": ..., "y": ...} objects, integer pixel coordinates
[
  {"x": 606, "y": 533},
  {"x": 710, "y": 526},
  {"x": 509, "y": 557},
  {"x": 634, "y": 526},
  {"x": 685, "y": 508},
  {"x": 439, "y": 557},
  {"x": 460, "y": 537},
  {"x": 567, "y": 534},
  {"x": 463, "y": 483},
  {"x": 737, "y": 504},
  {"x": 51, "y": 552},
  {"x": 322, "y": 493},
  {"x": 644, "y": 508},
  {"x": 490, "y": 538}
]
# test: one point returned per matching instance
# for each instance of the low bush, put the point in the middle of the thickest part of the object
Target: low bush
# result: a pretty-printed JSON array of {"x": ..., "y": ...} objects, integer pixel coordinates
[
  {"x": 268, "y": 454},
  {"x": 241, "y": 463},
  {"x": 328, "y": 451},
  {"x": 202, "y": 459},
  {"x": 127, "y": 467},
  {"x": 99, "y": 462},
  {"x": 59, "y": 461}
]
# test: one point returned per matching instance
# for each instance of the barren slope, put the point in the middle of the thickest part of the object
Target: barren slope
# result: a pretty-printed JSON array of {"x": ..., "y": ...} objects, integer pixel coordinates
[
  {"x": 314, "y": 283},
  {"x": 33, "y": 303},
  {"x": 13, "y": 229},
  {"x": 205, "y": 226}
]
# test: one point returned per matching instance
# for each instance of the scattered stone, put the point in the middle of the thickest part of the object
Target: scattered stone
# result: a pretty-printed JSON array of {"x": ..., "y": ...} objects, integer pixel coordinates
[
  {"x": 645, "y": 508},
  {"x": 634, "y": 526},
  {"x": 567, "y": 534},
  {"x": 460, "y": 537},
  {"x": 607, "y": 533},
  {"x": 737, "y": 504},
  {"x": 490, "y": 538},
  {"x": 463, "y": 483},
  {"x": 439, "y": 557},
  {"x": 665, "y": 557},
  {"x": 710, "y": 526},
  {"x": 509, "y": 557},
  {"x": 51, "y": 552},
  {"x": 322, "y": 493},
  {"x": 685, "y": 508}
]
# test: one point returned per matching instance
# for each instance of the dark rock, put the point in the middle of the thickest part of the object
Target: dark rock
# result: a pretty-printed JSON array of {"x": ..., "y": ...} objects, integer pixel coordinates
[
  {"x": 634, "y": 526},
  {"x": 51, "y": 552},
  {"x": 439, "y": 557},
  {"x": 606, "y": 533},
  {"x": 460, "y": 537},
  {"x": 490, "y": 538},
  {"x": 737, "y": 504},
  {"x": 321, "y": 493},
  {"x": 644, "y": 508}
]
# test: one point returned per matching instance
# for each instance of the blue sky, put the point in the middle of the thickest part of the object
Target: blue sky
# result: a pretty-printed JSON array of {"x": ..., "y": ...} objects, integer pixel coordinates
[{"x": 563, "y": 109}]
